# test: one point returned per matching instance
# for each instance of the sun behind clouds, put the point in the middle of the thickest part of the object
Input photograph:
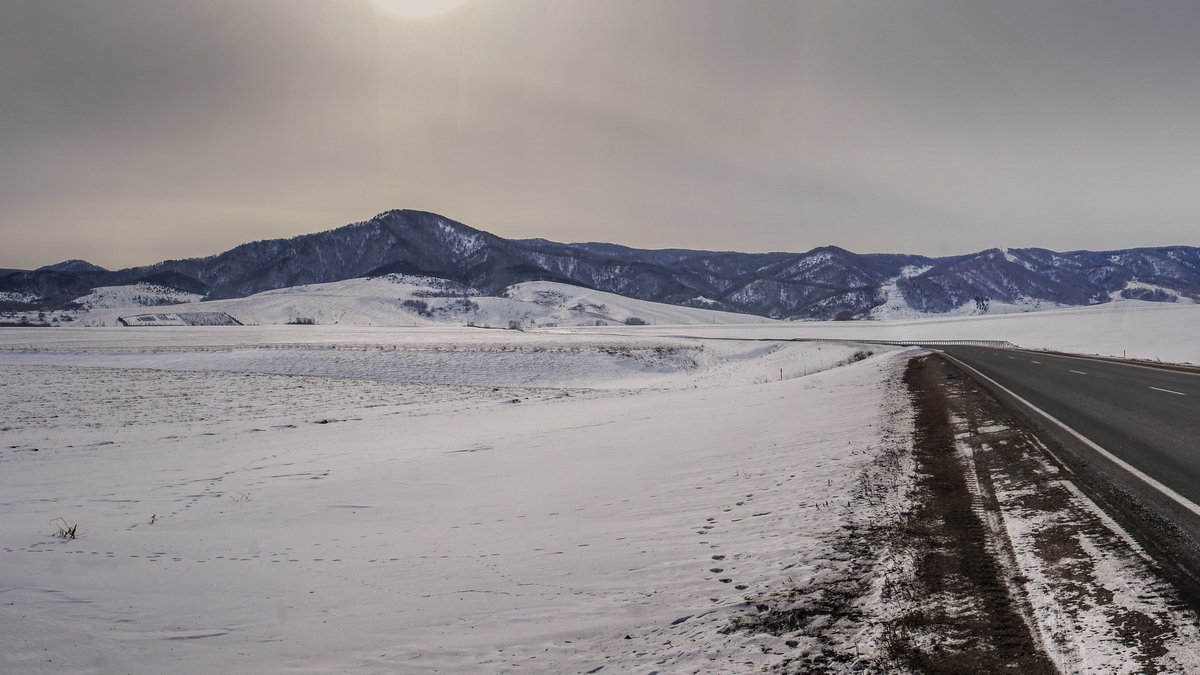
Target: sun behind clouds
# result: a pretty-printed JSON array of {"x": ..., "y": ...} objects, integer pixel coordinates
[{"x": 418, "y": 9}]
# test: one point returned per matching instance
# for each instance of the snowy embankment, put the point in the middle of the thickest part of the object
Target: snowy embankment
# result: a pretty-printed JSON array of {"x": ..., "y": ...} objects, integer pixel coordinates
[{"x": 454, "y": 501}]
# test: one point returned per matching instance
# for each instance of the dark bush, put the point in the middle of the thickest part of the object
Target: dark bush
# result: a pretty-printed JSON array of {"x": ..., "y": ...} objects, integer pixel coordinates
[{"x": 419, "y": 306}]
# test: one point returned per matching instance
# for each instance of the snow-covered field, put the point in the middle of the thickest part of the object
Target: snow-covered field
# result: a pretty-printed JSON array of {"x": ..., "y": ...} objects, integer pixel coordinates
[
  {"x": 1133, "y": 328},
  {"x": 451, "y": 499},
  {"x": 403, "y": 300},
  {"x": 324, "y": 499}
]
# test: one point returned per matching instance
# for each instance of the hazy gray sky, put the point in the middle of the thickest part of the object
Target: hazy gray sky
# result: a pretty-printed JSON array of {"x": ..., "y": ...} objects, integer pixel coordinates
[{"x": 137, "y": 130}]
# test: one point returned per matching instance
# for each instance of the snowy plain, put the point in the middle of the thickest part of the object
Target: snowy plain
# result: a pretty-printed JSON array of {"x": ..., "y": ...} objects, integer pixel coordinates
[
  {"x": 450, "y": 499},
  {"x": 322, "y": 499}
]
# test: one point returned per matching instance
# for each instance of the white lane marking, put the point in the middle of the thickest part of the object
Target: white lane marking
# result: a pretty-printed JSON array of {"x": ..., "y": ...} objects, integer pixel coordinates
[
  {"x": 1013, "y": 358},
  {"x": 1037, "y": 362},
  {"x": 1169, "y": 391},
  {"x": 1173, "y": 495},
  {"x": 1077, "y": 372}
]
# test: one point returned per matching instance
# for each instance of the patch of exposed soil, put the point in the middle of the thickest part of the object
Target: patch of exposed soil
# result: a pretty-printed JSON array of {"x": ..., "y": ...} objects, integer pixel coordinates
[{"x": 962, "y": 615}]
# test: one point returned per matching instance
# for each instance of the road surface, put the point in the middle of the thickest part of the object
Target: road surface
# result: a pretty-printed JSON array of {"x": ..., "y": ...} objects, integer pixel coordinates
[{"x": 1147, "y": 417}]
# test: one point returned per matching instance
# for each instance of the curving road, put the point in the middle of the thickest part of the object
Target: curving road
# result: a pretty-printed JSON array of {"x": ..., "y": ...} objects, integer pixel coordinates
[{"x": 1147, "y": 418}]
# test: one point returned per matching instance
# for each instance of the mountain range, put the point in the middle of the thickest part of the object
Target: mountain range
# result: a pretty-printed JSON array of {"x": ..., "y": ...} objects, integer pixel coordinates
[{"x": 824, "y": 283}]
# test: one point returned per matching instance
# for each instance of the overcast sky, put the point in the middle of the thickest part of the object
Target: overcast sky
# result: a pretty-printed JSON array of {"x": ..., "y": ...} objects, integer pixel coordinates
[{"x": 137, "y": 130}]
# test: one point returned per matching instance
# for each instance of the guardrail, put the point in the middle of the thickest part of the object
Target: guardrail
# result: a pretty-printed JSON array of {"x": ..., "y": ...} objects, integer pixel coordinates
[{"x": 995, "y": 344}]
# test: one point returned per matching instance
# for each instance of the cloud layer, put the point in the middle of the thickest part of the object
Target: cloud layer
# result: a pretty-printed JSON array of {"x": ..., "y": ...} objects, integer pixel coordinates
[{"x": 135, "y": 130}]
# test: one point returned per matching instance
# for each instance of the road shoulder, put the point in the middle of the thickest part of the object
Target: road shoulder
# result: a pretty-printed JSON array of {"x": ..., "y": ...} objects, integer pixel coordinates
[
  {"x": 972, "y": 550},
  {"x": 1092, "y": 594}
]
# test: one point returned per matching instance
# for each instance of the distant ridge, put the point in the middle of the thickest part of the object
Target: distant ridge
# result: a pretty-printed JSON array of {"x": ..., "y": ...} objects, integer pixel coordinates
[
  {"x": 72, "y": 266},
  {"x": 824, "y": 283}
]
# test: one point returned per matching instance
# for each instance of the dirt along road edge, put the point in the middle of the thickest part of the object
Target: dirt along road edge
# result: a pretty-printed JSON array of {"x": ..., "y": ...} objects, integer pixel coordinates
[{"x": 974, "y": 550}]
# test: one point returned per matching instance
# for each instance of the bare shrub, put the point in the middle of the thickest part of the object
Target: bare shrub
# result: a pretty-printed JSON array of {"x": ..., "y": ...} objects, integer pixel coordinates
[
  {"x": 65, "y": 530},
  {"x": 856, "y": 357}
]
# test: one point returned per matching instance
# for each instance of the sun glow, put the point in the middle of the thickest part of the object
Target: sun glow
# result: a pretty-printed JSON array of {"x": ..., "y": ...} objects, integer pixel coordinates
[{"x": 418, "y": 9}]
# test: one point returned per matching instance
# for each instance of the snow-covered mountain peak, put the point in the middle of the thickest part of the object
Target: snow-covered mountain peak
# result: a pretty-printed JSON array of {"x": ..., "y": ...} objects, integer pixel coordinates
[{"x": 823, "y": 283}]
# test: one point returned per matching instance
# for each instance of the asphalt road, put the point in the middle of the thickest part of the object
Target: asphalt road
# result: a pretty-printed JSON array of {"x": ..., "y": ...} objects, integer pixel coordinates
[{"x": 1148, "y": 417}]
